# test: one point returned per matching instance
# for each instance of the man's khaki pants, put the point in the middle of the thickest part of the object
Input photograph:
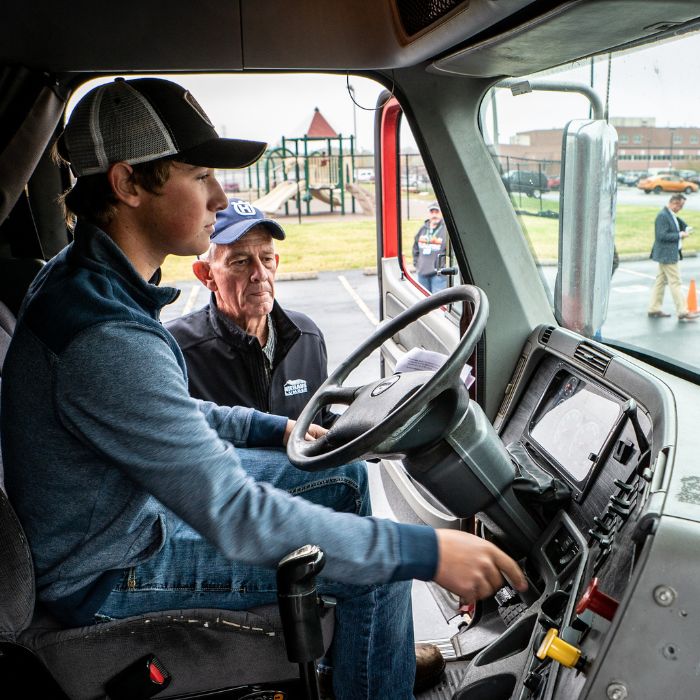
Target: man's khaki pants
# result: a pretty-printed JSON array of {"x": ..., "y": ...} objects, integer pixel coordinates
[{"x": 668, "y": 274}]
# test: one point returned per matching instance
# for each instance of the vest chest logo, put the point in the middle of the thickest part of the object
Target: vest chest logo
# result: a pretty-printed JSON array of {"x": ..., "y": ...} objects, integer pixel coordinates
[{"x": 295, "y": 386}]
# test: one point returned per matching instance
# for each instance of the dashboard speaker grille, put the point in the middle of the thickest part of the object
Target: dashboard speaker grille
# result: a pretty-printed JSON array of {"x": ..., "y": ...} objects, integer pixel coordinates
[
  {"x": 417, "y": 15},
  {"x": 592, "y": 357}
]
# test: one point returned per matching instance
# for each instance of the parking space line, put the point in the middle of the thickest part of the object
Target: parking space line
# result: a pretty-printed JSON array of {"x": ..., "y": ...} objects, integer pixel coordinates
[
  {"x": 636, "y": 274},
  {"x": 363, "y": 307},
  {"x": 191, "y": 299}
]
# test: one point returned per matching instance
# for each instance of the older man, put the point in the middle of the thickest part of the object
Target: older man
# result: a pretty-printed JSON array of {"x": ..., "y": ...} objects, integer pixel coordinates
[
  {"x": 669, "y": 232},
  {"x": 243, "y": 349}
]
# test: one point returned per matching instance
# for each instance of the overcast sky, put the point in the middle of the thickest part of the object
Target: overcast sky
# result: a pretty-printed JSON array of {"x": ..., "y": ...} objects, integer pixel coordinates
[{"x": 660, "y": 82}]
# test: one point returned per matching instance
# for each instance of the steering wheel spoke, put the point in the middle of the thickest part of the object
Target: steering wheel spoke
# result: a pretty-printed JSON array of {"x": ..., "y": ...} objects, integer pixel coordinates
[{"x": 334, "y": 393}]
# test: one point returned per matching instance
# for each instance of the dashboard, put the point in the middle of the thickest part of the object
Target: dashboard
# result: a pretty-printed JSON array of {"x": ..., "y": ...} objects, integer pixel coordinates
[{"x": 585, "y": 430}]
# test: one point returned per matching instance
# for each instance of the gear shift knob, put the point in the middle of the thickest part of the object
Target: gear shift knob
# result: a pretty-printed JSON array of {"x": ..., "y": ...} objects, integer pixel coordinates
[{"x": 298, "y": 603}]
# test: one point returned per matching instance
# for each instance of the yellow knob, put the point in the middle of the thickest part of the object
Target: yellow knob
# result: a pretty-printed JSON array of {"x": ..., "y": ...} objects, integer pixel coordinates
[{"x": 557, "y": 649}]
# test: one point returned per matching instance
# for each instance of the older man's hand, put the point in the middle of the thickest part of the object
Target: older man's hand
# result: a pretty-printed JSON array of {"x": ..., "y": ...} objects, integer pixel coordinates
[{"x": 314, "y": 431}]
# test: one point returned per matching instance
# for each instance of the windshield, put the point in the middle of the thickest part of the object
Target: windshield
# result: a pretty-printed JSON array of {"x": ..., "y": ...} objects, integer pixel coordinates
[{"x": 646, "y": 95}]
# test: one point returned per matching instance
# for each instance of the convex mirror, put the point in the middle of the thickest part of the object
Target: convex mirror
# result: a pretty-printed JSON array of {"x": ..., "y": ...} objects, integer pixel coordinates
[{"x": 586, "y": 225}]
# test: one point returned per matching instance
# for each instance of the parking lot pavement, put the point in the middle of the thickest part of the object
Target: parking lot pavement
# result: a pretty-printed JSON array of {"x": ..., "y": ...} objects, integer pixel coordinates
[{"x": 627, "y": 318}]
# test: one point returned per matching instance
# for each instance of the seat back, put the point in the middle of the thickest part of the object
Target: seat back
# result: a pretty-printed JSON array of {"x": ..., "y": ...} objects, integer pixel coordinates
[
  {"x": 16, "y": 570},
  {"x": 7, "y": 328},
  {"x": 17, "y": 592}
]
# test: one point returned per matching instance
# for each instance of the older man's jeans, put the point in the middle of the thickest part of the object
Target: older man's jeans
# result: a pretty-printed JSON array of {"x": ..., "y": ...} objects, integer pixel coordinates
[{"x": 372, "y": 653}]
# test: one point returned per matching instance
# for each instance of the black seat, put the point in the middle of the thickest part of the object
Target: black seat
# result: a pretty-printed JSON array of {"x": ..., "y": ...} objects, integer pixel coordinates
[{"x": 202, "y": 649}]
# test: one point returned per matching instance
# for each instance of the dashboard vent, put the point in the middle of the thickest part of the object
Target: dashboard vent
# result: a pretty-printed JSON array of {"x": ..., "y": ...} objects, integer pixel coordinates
[
  {"x": 510, "y": 389},
  {"x": 417, "y": 15},
  {"x": 546, "y": 335},
  {"x": 593, "y": 357}
]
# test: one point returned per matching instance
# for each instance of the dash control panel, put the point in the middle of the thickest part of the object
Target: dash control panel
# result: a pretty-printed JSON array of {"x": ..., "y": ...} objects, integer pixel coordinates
[{"x": 561, "y": 549}]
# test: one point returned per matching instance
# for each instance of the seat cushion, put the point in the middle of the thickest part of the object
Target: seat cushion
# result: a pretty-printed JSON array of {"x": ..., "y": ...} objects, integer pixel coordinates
[{"x": 201, "y": 648}]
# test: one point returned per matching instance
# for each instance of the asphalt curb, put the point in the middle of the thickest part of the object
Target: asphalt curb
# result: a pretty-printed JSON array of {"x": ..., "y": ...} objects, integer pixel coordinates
[
  {"x": 625, "y": 257},
  {"x": 313, "y": 274},
  {"x": 287, "y": 276}
]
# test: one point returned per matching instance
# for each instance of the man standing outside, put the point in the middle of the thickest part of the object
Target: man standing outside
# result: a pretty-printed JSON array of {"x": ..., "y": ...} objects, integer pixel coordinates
[
  {"x": 669, "y": 232},
  {"x": 158, "y": 508},
  {"x": 429, "y": 248},
  {"x": 243, "y": 349}
]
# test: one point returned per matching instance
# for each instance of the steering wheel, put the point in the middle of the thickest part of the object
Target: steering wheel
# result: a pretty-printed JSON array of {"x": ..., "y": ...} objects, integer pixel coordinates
[{"x": 389, "y": 417}]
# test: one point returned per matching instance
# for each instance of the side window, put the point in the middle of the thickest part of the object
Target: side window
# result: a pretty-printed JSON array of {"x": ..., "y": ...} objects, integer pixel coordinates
[{"x": 424, "y": 241}]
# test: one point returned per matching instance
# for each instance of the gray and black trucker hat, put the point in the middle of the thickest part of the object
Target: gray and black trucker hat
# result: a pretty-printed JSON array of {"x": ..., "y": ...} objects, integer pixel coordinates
[{"x": 145, "y": 119}]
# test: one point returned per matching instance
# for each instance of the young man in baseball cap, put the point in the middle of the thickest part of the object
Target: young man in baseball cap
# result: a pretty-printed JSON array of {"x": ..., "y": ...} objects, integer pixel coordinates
[{"x": 156, "y": 501}]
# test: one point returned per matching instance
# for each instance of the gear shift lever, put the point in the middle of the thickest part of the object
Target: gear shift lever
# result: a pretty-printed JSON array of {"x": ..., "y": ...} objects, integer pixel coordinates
[{"x": 299, "y": 610}]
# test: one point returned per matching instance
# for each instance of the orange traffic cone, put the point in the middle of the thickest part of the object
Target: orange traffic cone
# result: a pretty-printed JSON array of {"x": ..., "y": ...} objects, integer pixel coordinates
[{"x": 692, "y": 298}]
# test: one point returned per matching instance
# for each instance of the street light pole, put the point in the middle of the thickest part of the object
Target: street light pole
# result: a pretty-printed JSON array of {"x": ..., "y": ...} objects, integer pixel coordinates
[
  {"x": 670, "y": 154},
  {"x": 351, "y": 90}
]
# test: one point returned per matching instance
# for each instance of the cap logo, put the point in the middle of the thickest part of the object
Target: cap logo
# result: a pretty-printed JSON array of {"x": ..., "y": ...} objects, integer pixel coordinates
[
  {"x": 189, "y": 98},
  {"x": 243, "y": 208}
]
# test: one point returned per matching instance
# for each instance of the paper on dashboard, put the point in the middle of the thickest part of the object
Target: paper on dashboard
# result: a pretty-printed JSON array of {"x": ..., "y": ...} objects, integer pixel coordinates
[{"x": 418, "y": 360}]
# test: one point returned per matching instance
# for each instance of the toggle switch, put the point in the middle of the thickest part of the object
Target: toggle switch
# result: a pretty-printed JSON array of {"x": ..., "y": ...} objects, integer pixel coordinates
[
  {"x": 555, "y": 648},
  {"x": 596, "y": 601}
]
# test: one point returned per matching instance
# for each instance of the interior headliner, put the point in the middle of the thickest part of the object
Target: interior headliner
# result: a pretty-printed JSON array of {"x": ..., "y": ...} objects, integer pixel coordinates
[{"x": 478, "y": 37}]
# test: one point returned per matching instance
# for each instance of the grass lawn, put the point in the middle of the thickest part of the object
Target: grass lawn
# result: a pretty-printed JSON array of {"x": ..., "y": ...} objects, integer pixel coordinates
[
  {"x": 317, "y": 245},
  {"x": 634, "y": 231}
]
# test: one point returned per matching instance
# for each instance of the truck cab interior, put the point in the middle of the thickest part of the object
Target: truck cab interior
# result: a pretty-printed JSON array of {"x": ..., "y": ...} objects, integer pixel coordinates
[{"x": 573, "y": 453}]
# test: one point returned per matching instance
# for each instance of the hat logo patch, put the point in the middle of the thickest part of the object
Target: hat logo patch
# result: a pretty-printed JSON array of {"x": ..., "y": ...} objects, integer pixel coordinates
[
  {"x": 295, "y": 386},
  {"x": 189, "y": 98},
  {"x": 243, "y": 208}
]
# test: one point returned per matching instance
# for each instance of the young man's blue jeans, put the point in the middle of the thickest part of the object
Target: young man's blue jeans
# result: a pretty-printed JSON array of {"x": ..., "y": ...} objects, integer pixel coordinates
[{"x": 373, "y": 641}]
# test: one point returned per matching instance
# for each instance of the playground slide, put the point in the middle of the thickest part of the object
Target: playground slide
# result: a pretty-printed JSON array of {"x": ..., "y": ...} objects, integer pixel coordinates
[
  {"x": 324, "y": 196},
  {"x": 269, "y": 203},
  {"x": 363, "y": 197}
]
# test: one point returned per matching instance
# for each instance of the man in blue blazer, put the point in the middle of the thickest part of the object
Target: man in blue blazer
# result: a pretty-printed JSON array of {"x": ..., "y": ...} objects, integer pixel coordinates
[{"x": 669, "y": 231}]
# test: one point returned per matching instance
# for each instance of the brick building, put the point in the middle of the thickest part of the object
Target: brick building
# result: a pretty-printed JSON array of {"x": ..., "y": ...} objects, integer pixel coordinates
[{"x": 641, "y": 145}]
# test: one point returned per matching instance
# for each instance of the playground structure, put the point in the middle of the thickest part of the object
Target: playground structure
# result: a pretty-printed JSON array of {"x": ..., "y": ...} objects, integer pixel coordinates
[{"x": 319, "y": 165}]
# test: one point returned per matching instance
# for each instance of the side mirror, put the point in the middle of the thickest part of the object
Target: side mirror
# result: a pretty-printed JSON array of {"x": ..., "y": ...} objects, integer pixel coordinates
[{"x": 586, "y": 225}]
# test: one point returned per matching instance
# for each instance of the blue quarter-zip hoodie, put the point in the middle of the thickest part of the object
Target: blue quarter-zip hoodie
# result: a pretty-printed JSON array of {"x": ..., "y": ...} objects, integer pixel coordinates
[{"x": 103, "y": 447}]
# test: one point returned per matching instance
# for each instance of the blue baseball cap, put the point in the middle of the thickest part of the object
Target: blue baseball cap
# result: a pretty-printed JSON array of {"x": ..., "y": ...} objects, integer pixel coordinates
[{"x": 237, "y": 219}]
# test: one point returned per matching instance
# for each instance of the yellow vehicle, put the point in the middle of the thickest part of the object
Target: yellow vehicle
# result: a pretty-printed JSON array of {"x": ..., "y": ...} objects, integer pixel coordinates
[{"x": 666, "y": 183}]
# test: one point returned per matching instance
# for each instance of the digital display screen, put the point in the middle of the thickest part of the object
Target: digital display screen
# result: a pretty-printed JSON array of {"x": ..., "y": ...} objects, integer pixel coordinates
[{"x": 572, "y": 424}]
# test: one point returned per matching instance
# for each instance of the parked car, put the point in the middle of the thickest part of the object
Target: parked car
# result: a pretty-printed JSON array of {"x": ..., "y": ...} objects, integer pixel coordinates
[
  {"x": 631, "y": 177},
  {"x": 666, "y": 183},
  {"x": 553, "y": 182},
  {"x": 231, "y": 187},
  {"x": 530, "y": 182},
  {"x": 364, "y": 174}
]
